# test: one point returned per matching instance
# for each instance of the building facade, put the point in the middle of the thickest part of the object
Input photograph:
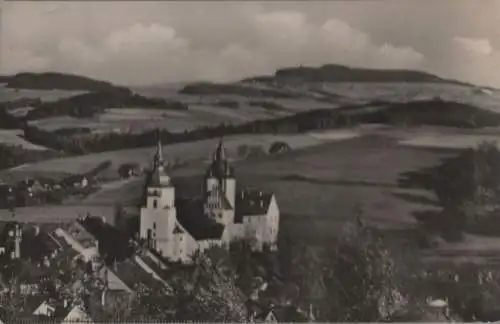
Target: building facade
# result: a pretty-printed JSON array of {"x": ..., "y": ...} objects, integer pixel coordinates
[{"x": 179, "y": 227}]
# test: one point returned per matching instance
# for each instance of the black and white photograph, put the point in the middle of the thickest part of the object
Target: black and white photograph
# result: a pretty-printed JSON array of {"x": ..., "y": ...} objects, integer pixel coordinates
[{"x": 249, "y": 161}]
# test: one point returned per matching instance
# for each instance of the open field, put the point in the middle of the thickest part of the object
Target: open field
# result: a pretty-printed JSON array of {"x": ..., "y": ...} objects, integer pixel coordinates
[
  {"x": 323, "y": 180},
  {"x": 191, "y": 151},
  {"x": 8, "y": 94},
  {"x": 55, "y": 214},
  {"x": 12, "y": 137},
  {"x": 458, "y": 141}
]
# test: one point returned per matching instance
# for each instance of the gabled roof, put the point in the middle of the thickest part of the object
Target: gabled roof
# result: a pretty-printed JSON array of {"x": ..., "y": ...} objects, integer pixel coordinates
[
  {"x": 77, "y": 314},
  {"x": 191, "y": 215},
  {"x": 43, "y": 308},
  {"x": 251, "y": 203}
]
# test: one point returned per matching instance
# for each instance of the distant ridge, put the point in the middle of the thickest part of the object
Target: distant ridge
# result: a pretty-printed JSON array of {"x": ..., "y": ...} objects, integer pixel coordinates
[
  {"x": 56, "y": 81},
  {"x": 341, "y": 73}
]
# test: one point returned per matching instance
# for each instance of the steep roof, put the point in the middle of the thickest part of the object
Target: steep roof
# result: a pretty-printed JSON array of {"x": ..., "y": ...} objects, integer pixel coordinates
[
  {"x": 159, "y": 177},
  {"x": 191, "y": 215},
  {"x": 220, "y": 167},
  {"x": 251, "y": 203},
  {"x": 77, "y": 314},
  {"x": 43, "y": 308}
]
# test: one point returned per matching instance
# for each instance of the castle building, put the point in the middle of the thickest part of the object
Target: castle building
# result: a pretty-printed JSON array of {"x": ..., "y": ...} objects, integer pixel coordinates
[{"x": 178, "y": 227}]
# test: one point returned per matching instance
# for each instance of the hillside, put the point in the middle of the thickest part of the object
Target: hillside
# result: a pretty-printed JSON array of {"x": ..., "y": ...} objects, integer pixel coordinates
[
  {"x": 340, "y": 73},
  {"x": 206, "y": 88},
  {"x": 425, "y": 112},
  {"x": 53, "y": 80},
  {"x": 89, "y": 104}
]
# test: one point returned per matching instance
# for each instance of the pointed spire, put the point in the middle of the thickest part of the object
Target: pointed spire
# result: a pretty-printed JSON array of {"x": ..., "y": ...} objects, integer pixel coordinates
[
  {"x": 220, "y": 153},
  {"x": 159, "y": 154}
]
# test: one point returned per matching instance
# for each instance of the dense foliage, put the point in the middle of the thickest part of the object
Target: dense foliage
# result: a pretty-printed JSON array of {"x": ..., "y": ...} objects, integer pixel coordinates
[{"x": 467, "y": 186}]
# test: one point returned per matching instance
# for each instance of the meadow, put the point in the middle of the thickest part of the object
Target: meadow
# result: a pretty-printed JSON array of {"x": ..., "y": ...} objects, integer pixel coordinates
[
  {"x": 186, "y": 152},
  {"x": 56, "y": 214},
  {"x": 13, "y": 137},
  {"x": 9, "y": 94}
]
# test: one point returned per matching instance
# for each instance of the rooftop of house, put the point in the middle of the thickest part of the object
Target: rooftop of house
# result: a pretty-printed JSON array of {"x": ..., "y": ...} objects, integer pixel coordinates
[
  {"x": 251, "y": 203},
  {"x": 191, "y": 215},
  {"x": 80, "y": 234}
]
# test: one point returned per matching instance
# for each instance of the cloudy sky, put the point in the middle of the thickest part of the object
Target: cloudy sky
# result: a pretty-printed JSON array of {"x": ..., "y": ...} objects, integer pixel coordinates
[{"x": 156, "y": 42}]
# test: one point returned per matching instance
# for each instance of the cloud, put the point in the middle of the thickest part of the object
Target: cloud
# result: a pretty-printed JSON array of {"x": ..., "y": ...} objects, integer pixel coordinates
[
  {"x": 15, "y": 60},
  {"x": 481, "y": 47},
  {"x": 146, "y": 39},
  {"x": 150, "y": 42}
]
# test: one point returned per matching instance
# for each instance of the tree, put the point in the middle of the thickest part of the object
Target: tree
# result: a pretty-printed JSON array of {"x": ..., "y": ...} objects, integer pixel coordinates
[
  {"x": 205, "y": 293},
  {"x": 352, "y": 279},
  {"x": 362, "y": 280}
]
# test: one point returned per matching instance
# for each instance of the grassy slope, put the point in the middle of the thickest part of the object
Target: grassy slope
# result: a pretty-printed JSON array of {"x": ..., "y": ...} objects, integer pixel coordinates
[{"x": 54, "y": 80}]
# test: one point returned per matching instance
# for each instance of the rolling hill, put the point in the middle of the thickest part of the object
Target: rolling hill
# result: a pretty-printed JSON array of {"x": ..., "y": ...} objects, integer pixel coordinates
[
  {"x": 340, "y": 73},
  {"x": 54, "y": 80}
]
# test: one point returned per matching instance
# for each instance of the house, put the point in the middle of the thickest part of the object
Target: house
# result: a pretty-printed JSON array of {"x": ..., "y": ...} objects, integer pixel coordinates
[
  {"x": 178, "y": 227},
  {"x": 45, "y": 309},
  {"x": 77, "y": 314}
]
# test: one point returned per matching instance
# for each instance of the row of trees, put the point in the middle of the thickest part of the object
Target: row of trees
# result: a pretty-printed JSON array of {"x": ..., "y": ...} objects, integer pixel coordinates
[{"x": 429, "y": 112}]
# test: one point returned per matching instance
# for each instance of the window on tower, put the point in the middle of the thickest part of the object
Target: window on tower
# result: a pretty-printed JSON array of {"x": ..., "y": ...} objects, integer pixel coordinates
[{"x": 155, "y": 203}]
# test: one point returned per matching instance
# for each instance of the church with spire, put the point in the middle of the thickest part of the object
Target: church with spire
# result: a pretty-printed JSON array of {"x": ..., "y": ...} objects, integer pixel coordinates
[{"x": 177, "y": 227}]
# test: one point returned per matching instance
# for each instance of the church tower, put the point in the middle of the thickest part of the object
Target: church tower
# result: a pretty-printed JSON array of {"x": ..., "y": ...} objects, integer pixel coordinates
[
  {"x": 220, "y": 187},
  {"x": 158, "y": 217}
]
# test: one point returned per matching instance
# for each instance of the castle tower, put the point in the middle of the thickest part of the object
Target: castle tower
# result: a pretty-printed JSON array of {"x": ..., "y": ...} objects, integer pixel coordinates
[
  {"x": 158, "y": 217},
  {"x": 220, "y": 186}
]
